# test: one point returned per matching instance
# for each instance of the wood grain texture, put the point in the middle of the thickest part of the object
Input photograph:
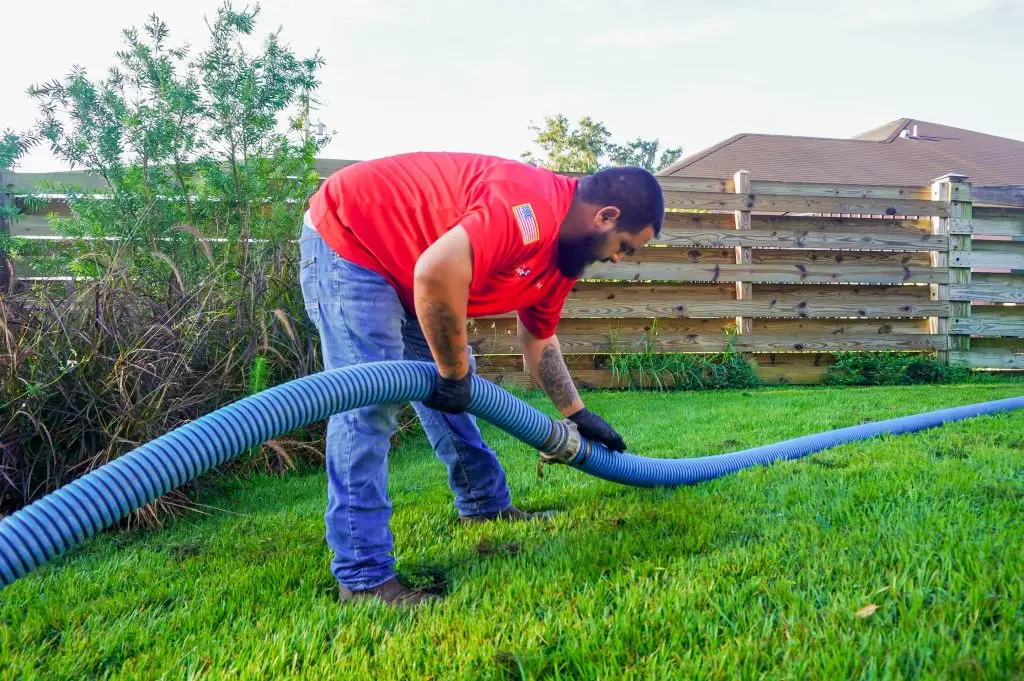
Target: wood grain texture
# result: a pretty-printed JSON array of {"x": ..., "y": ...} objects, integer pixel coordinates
[
  {"x": 843, "y": 292},
  {"x": 780, "y": 203},
  {"x": 711, "y": 301},
  {"x": 990, "y": 255},
  {"x": 988, "y": 287},
  {"x": 1001, "y": 227},
  {"x": 773, "y": 369},
  {"x": 587, "y": 336},
  {"x": 992, "y": 353},
  {"x": 840, "y": 190},
  {"x": 990, "y": 321},
  {"x": 987, "y": 359},
  {"x": 999, "y": 195},
  {"x": 905, "y": 240},
  {"x": 774, "y": 272}
]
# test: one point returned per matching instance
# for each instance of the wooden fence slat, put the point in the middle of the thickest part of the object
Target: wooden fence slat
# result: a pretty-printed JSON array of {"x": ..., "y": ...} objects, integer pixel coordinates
[
  {"x": 596, "y": 343},
  {"x": 999, "y": 195},
  {"x": 990, "y": 321},
  {"x": 822, "y": 237},
  {"x": 824, "y": 293},
  {"x": 687, "y": 301},
  {"x": 982, "y": 358},
  {"x": 991, "y": 288},
  {"x": 775, "y": 203},
  {"x": 990, "y": 255},
  {"x": 992, "y": 353},
  {"x": 776, "y": 272},
  {"x": 1001, "y": 227},
  {"x": 839, "y": 190}
]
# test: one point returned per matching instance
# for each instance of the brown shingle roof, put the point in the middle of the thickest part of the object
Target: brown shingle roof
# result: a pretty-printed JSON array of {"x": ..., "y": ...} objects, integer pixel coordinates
[{"x": 883, "y": 156}]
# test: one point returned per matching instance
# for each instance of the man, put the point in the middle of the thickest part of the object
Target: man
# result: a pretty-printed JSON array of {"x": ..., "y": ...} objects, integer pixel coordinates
[{"x": 396, "y": 254}]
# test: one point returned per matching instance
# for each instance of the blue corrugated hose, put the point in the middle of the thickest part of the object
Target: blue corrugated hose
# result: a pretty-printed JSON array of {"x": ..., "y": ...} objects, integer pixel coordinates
[{"x": 50, "y": 526}]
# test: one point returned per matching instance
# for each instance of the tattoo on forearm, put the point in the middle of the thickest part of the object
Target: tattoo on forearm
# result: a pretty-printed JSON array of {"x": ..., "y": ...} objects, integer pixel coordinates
[
  {"x": 443, "y": 325},
  {"x": 555, "y": 378}
]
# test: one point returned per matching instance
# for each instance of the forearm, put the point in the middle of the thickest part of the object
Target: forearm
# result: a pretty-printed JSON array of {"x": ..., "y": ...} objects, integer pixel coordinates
[
  {"x": 441, "y": 309},
  {"x": 547, "y": 366}
]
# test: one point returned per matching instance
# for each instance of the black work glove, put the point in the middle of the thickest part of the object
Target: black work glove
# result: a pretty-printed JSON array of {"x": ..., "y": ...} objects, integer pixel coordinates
[
  {"x": 593, "y": 427},
  {"x": 450, "y": 395}
]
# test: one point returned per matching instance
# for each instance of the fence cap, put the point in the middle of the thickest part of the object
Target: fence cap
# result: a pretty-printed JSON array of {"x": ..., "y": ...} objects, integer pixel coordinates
[{"x": 952, "y": 177}]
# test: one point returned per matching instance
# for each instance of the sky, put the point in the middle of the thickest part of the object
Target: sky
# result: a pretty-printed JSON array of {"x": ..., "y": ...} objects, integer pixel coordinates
[{"x": 472, "y": 75}]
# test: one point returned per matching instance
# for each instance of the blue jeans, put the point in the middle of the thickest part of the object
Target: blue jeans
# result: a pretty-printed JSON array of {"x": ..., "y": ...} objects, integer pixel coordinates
[{"x": 360, "y": 318}]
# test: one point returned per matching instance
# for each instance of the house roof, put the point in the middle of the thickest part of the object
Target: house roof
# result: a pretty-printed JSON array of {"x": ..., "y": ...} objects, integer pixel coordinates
[{"x": 887, "y": 155}]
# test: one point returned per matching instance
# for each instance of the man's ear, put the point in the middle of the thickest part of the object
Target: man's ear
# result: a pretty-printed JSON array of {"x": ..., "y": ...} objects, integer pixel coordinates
[{"x": 606, "y": 216}]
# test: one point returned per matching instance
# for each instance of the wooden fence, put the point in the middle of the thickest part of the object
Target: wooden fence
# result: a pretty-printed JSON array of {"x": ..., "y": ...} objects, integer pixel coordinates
[{"x": 799, "y": 271}]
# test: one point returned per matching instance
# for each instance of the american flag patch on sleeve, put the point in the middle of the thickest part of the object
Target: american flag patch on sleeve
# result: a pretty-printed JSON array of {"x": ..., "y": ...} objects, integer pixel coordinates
[{"x": 527, "y": 221}]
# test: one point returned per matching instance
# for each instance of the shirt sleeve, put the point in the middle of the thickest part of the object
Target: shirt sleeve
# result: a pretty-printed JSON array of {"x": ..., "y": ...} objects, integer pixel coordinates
[
  {"x": 541, "y": 319},
  {"x": 503, "y": 230}
]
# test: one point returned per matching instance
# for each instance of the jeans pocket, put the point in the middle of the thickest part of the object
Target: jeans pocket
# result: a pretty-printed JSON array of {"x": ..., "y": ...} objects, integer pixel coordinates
[{"x": 307, "y": 282}]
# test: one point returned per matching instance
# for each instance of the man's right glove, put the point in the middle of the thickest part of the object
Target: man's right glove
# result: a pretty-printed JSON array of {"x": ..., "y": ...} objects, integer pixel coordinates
[
  {"x": 593, "y": 427},
  {"x": 450, "y": 395}
]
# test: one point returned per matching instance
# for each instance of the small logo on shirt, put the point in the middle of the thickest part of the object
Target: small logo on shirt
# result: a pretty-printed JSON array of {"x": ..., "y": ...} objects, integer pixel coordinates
[
  {"x": 528, "y": 227},
  {"x": 540, "y": 284},
  {"x": 523, "y": 271}
]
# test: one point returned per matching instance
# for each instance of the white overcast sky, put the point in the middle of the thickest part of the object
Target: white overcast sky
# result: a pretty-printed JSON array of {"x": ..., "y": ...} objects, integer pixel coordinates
[{"x": 470, "y": 75}]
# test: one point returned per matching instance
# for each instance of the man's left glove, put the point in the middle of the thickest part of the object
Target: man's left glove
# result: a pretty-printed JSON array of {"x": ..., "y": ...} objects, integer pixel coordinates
[
  {"x": 593, "y": 427},
  {"x": 450, "y": 395}
]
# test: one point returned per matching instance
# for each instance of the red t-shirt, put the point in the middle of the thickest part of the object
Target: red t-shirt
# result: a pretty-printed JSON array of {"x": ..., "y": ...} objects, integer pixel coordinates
[{"x": 382, "y": 214}]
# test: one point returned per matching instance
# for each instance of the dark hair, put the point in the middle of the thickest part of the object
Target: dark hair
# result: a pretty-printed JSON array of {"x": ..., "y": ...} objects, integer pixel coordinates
[{"x": 633, "y": 190}]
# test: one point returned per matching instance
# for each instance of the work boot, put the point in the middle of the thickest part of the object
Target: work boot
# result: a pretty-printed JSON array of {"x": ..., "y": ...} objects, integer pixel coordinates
[
  {"x": 391, "y": 592},
  {"x": 510, "y": 513}
]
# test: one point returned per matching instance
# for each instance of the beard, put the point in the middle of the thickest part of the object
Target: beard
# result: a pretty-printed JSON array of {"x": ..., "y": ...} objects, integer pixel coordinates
[{"x": 575, "y": 255}]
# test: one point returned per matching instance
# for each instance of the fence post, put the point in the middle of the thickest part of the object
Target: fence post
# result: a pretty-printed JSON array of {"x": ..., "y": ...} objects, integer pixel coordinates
[
  {"x": 744, "y": 289},
  {"x": 956, "y": 190}
]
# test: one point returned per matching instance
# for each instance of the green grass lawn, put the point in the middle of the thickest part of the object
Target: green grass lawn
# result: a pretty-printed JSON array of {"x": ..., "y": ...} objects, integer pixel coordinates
[{"x": 759, "y": 574}]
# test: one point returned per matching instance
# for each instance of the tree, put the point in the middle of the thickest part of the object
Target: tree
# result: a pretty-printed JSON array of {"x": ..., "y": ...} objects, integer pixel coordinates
[
  {"x": 210, "y": 147},
  {"x": 588, "y": 148}
]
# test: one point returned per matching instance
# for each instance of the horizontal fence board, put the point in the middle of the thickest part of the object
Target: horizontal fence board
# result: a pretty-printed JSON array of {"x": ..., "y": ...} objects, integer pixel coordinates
[
  {"x": 990, "y": 321},
  {"x": 840, "y": 258},
  {"x": 780, "y": 203},
  {"x": 851, "y": 292},
  {"x": 839, "y": 190},
  {"x": 987, "y": 359},
  {"x": 28, "y": 182},
  {"x": 778, "y": 271},
  {"x": 612, "y": 300},
  {"x": 989, "y": 287},
  {"x": 992, "y": 353},
  {"x": 582, "y": 343},
  {"x": 990, "y": 255},
  {"x": 595, "y": 379},
  {"x": 32, "y": 225},
  {"x": 587, "y": 336},
  {"x": 1000, "y": 195},
  {"x": 714, "y": 231},
  {"x": 1002, "y": 227}
]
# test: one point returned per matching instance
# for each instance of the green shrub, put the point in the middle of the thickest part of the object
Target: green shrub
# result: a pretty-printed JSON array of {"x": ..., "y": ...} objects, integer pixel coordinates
[
  {"x": 686, "y": 371},
  {"x": 890, "y": 368}
]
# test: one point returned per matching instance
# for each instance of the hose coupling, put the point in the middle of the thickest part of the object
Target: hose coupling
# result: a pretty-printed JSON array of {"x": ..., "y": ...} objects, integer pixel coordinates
[{"x": 563, "y": 445}]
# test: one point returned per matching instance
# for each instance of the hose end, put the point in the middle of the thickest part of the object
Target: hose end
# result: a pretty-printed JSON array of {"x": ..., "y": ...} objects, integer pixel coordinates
[{"x": 564, "y": 444}]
